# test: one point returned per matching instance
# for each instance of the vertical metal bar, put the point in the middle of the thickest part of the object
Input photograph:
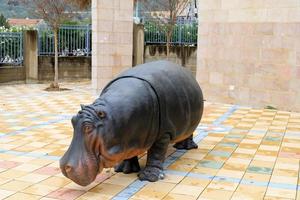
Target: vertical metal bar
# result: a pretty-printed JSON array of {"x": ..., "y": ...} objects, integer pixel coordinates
[
  {"x": 76, "y": 36},
  {"x": 59, "y": 45},
  {"x": 87, "y": 40}
]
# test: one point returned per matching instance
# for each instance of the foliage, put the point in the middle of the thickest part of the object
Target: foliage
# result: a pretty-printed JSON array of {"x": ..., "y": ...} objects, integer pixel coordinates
[
  {"x": 3, "y": 21},
  {"x": 16, "y": 29},
  {"x": 83, "y": 3}
]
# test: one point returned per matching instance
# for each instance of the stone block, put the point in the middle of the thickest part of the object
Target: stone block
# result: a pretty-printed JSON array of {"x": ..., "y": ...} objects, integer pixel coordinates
[
  {"x": 105, "y": 72},
  {"x": 264, "y": 29},
  {"x": 123, "y": 26},
  {"x": 277, "y": 15},
  {"x": 209, "y": 4},
  {"x": 230, "y": 4},
  {"x": 298, "y": 58},
  {"x": 122, "y": 15},
  {"x": 215, "y": 78},
  {"x": 124, "y": 49},
  {"x": 104, "y": 25},
  {"x": 128, "y": 5},
  {"x": 276, "y": 55},
  {"x": 105, "y": 13}
]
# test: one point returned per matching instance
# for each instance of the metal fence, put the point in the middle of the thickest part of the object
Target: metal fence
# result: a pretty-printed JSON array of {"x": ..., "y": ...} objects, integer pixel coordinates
[
  {"x": 72, "y": 41},
  {"x": 76, "y": 40},
  {"x": 11, "y": 48},
  {"x": 185, "y": 32}
]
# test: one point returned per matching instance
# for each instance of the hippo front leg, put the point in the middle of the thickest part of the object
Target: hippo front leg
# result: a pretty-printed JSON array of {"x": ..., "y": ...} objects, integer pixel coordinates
[
  {"x": 153, "y": 170},
  {"x": 128, "y": 166}
]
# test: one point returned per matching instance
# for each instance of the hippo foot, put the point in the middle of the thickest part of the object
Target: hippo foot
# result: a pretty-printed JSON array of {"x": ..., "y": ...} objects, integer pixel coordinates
[
  {"x": 128, "y": 166},
  {"x": 151, "y": 174},
  {"x": 186, "y": 144}
]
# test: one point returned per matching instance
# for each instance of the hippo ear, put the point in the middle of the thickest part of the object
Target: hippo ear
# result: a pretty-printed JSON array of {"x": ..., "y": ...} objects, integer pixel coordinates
[{"x": 82, "y": 106}]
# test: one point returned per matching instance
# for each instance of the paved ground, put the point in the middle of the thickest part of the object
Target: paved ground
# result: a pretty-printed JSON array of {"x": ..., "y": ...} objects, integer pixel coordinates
[{"x": 243, "y": 153}]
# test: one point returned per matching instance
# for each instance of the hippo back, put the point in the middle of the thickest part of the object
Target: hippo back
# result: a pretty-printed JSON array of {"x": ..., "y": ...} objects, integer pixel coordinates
[{"x": 179, "y": 96}]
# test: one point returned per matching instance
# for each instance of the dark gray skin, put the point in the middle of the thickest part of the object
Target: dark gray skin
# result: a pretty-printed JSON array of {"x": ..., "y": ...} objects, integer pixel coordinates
[{"x": 144, "y": 109}]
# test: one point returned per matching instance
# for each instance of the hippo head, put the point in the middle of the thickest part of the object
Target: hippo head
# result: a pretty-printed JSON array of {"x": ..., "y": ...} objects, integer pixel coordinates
[{"x": 84, "y": 158}]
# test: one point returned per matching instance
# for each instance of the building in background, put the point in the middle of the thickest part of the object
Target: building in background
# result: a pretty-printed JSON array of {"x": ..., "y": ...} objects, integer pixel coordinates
[{"x": 25, "y": 22}]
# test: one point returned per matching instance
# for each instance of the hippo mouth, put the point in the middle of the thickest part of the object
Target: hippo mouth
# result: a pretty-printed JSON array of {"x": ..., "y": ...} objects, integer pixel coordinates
[{"x": 83, "y": 173}]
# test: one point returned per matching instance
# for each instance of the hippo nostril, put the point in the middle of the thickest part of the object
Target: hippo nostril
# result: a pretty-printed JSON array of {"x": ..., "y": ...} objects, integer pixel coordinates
[{"x": 68, "y": 169}]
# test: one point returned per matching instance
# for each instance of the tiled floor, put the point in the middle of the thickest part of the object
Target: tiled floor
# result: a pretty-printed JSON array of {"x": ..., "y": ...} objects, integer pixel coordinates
[{"x": 243, "y": 153}]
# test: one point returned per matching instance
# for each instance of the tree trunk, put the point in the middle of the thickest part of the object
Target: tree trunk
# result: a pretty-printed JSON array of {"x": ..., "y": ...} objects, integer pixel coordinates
[{"x": 55, "y": 83}]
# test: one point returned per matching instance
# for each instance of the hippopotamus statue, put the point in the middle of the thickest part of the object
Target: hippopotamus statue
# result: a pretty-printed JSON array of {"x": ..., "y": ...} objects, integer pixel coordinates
[{"x": 144, "y": 109}]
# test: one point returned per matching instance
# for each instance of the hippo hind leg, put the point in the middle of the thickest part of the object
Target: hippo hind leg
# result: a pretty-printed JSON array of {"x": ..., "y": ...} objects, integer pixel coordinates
[
  {"x": 186, "y": 144},
  {"x": 153, "y": 170},
  {"x": 128, "y": 166}
]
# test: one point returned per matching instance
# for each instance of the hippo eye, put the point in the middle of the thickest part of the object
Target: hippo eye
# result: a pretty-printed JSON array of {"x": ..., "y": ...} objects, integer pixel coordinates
[
  {"x": 101, "y": 114},
  {"x": 87, "y": 129}
]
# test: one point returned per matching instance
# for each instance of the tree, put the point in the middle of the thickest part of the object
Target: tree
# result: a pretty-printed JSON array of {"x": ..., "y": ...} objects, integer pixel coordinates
[
  {"x": 3, "y": 21},
  {"x": 83, "y": 3},
  {"x": 165, "y": 13},
  {"x": 54, "y": 12}
]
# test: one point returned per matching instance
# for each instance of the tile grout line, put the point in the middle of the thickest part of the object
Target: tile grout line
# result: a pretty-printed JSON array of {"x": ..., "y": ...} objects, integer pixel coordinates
[
  {"x": 268, "y": 184},
  {"x": 220, "y": 177},
  {"x": 137, "y": 185},
  {"x": 250, "y": 182}
]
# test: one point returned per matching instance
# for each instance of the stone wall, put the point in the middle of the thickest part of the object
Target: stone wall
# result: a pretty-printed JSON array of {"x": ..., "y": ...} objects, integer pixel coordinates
[
  {"x": 69, "y": 68},
  {"x": 12, "y": 74},
  {"x": 249, "y": 52},
  {"x": 112, "y": 40},
  {"x": 185, "y": 56}
]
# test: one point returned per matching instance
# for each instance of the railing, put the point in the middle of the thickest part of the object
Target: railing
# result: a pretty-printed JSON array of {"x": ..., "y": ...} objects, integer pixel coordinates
[
  {"x": 185, "y": 32},
  {"x": 72, "y": 41},
  {"x": 11, "y": 48}
]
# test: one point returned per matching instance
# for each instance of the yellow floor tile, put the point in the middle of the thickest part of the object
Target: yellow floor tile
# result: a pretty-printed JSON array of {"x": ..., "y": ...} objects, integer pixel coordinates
[
  {"x": 282, "y": 193},
  {"x": 41, "y": 190},
  {"x": 187, "y": 190},
  {"x": 15, "y": 185},
  {"x": 33, "y": 178},
  {"x": 94, "y": 195},
  {"x": 57, "y": 181},
  {"x": 107, "y": 189},
  {"x": 19, "y": 196},
  {"x": 5, "y": 193},
  {"x": 275, "y": 198},
  {"x": 195, "y": 182},
  {"x": 223, "y": 185},
  {"x": 12, "y": 173},
  {"x": 172, "y": 196},
  {"x": 214, "y": 194}
]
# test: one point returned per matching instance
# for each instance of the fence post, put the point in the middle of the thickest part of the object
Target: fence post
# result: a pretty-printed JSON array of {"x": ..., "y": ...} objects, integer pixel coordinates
[
  {"x": 138, "y": 44},
  {"x": 88, "y": 28},
  {"x": 31, "y": 55}
]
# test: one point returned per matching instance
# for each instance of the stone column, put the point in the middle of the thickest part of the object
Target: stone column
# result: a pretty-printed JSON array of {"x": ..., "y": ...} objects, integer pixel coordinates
[
  {"x": 249, "y": 52},
  {"x": 138, "y": 44},
  {"x": 31, "y": 55},
  {"x": 112, "y": 28}
]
